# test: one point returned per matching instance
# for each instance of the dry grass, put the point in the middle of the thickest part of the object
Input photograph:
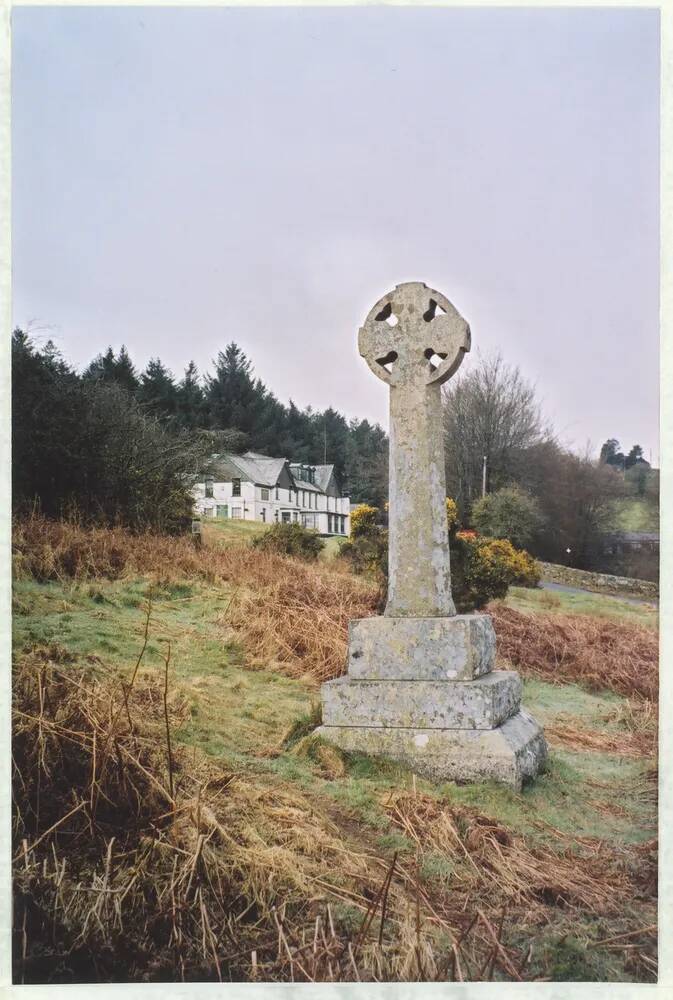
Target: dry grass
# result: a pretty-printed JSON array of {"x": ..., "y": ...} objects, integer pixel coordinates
[
  {"x": 594, "y": 652},
  {"x": 566, "y": 733},
  {"x": 139, "y": 859},
  {"x": 292, "y": 614},
  {"x": 299, "y": 622},
  {"x": 136, "y": 861},
  {"x": 500, "y": 863}
]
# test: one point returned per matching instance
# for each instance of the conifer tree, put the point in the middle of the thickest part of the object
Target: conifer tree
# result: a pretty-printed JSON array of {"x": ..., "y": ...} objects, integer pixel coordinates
[
  {"x": 190, "y": 399},
  {"x": 157, "y": 392}
]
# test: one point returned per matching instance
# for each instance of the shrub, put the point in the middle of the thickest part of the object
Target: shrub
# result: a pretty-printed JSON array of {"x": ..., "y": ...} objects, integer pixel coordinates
[
  {"x": 363, "y": 519},
  {"x": 291, "y": 540},
  {"x": 508, "y": 513},
  {"x": 483, "y": 569},
  {"x": 451, "y": 513}
]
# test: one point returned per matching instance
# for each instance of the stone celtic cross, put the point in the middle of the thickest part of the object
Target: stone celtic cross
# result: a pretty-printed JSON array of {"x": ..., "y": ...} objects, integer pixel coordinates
[
  {"x": 414, "y": 339},
  {"x": 420, "y": 687}
]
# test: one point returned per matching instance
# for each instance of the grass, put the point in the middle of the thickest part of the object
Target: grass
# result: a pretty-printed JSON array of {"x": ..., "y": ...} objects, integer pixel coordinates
[
  {"x": 303, "y": 818},
  {"x": 598, "y": 605},
  {"x": 635, "y": 514},
  {"x": 226, "y": 531}
]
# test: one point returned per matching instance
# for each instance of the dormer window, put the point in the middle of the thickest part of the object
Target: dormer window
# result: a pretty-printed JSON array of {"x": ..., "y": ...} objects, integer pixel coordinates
[{"x": 235, "y": 487}]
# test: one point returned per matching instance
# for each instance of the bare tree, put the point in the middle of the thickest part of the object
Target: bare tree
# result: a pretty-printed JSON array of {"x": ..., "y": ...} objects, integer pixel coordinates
[
  {"x": 577, "y": 494},
  {"x": 489, "y": 410}
]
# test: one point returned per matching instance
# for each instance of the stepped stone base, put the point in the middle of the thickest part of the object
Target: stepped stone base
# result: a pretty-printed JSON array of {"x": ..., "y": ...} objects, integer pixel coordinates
[
  {"x": 510, "y": 754},
  {"x": 423, "y": 691},
  {"x": 478, "y": 704}
]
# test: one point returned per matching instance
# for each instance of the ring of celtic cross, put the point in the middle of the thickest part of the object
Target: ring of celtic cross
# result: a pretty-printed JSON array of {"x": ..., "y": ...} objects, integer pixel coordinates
[{"x": 414, "y": 334}]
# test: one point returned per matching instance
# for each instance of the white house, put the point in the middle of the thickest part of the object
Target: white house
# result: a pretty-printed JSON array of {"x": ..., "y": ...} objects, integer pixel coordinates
[{"x": 254, "y": 487}]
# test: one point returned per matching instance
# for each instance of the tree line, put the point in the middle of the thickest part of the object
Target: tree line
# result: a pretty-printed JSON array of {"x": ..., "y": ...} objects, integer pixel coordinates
[
  {"x": 120, "y": 445},
  {"x": 493, "y": 425}
]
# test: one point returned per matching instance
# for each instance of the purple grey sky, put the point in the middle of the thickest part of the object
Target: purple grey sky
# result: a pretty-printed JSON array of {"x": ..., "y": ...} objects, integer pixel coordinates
[{"x": 184, "y": 177}]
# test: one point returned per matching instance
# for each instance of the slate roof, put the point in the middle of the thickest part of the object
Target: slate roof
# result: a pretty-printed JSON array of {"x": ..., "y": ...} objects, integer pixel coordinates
[
  {"x": 265, "y": 471},
  {"x": 323, "y": 474},
  {"x": 250, "y": 467}
]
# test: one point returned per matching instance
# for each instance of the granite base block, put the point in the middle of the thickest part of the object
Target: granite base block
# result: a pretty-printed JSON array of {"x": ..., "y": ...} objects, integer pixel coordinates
[
  {"x": 511, "y": 754},
  {"x": 478, "y": 704},
  {"x": 459, "y": 647}
]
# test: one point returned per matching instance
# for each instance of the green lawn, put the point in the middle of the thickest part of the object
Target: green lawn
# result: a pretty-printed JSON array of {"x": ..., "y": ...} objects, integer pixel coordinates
[
  {"x": 601, "y": 605},
  {"x": 225, "y": 530},
  {"x": 635, "y": 514}
]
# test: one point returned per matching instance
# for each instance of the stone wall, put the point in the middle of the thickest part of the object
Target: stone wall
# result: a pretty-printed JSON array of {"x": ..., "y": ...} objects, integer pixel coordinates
[{"x": 600, "y": 583}]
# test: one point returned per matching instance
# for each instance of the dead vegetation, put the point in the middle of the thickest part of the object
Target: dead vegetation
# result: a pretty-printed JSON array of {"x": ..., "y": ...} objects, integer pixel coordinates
[
  {"x": 133, "y": 853},
  {"x": 137, "y": 858},
  {"x": 598, "y": 653},
  {"x": 291, "y": 613},
  {"x": 294, "y": 615}
]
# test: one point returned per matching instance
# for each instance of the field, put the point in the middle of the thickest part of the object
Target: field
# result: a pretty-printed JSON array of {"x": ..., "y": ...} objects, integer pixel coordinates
[
  {"x": 175, "y": 818},
  {"x": 635, "y": 514}
]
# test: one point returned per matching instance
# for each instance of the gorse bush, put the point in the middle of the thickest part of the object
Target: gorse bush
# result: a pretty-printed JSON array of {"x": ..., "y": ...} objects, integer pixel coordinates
[
  {"x": 363, "y": 519},
  {"x": 367, "y": 548},
  {"x": 451, "y": 513},
  {"x": 290, "y": 540},
  {"x": 481, "y": 568}
]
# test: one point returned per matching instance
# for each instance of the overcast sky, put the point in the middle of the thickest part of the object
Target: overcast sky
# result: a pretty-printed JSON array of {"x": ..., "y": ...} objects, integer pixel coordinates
[{"x": 187, "y": 177}]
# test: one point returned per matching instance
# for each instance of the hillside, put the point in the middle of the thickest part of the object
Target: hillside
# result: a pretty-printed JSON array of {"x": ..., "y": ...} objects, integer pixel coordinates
[
  {"x": 635, "y": 514},
  {"x": 220, "y": 840}
]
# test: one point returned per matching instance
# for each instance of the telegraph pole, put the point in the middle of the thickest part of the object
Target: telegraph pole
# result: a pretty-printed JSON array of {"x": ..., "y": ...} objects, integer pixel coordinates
[{"x": 483, "y": 478}]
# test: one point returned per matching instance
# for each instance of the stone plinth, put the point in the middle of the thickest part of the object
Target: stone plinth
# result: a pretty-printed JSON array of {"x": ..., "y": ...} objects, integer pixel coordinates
[
  {"x": 423, "y": 691},
  {"x": 436, "y": 649},
  {"x": 479, "y": 704},
  {"x": 510, "y": 754}
]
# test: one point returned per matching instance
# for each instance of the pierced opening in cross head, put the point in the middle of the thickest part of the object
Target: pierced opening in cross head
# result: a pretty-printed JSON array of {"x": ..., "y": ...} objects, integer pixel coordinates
[
  {"x": 433, "y": 311},
  {"x": 434, "y": 357},
  {"x": 387, "y": 315},
  {"x": 387, "y": 361}
]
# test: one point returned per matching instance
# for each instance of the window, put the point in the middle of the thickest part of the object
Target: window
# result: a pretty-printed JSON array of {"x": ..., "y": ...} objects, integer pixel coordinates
[
  {"x": 286, "y": 516},
  {"x": 329, "y": 524},
  {"x": 222, "y": 510},
  {"x": 263, "y": 513},
  {"x": 277, "y": 493},
  {"x": 209, "y": 487},
  {"x": 308, "y": 520},
  {"x": 265, "y": 493},
  {"x": 237, "y": 513},
  {"x": 296, "y": 515},
  {"x": 235, "y": 487}
]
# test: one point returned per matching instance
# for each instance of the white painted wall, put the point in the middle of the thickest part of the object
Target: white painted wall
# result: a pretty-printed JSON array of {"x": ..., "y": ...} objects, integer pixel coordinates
[{"x": 250, "y": 505}]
